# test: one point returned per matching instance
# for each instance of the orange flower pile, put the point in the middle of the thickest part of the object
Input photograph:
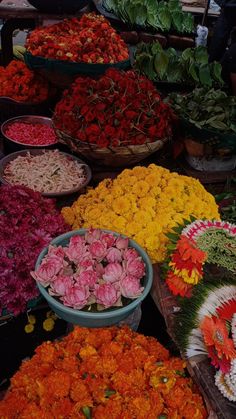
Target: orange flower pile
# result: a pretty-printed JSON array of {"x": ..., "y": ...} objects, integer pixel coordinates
[
  {"x": 110, "y": 373},
  {"x": 21, "y": 84}
]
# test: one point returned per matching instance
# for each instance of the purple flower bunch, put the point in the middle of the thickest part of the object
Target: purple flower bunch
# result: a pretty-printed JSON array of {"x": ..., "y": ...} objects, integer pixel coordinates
[
  {"x": 28, "y": 222},
  {"x": 97, "y": 267}
]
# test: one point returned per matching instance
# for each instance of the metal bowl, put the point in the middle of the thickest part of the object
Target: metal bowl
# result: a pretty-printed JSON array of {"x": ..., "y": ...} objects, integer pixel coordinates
[
  {"x": 35, "y": 152},
  {"x": 30, "y": 119}
]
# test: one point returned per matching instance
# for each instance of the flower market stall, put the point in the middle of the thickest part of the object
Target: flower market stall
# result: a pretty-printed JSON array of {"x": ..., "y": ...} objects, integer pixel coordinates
[{"x": 117, "y": 269}]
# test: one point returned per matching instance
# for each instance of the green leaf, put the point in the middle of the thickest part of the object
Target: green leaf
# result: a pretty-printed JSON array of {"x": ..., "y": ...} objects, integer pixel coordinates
[
  {"x": 87, "y": 412},
  {"x": 218, "y": 125},
  {"x": 205, "y": 75},
  {"x": 109, "y": 393},
  {"x": 193, "y": 72},
  {"x": 201, "y": 55},
  {"x": 187, "y": 54},
  {"x": 161, "y": 61},
  {"x": 216, "y": 72}
]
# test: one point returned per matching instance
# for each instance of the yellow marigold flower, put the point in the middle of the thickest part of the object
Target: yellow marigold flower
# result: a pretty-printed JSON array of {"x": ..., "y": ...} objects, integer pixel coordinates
[
  {"x": 68, "y": 215},
  {"x": 133, "y": 228},
  {"x": 120, "y": 224},
  {"x": 147, "y": 202},
  {"x": 138, "y": 172},
  {"x": 142, "y": 218},
  {"x": 31, "y": 319},
  {"x": 48, "y": 324},
  {"x": 121, "y": 205},
  {"x": 29, "y": 328},
  {"x": 140, "y": 188}
]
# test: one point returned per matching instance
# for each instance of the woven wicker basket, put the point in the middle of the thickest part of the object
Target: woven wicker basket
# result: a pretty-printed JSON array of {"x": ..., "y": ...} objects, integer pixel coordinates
[{"x": 112, "y": 156}]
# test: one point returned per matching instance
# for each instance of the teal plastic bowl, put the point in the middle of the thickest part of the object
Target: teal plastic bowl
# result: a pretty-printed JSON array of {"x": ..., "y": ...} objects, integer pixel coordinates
[{"x": 99, "y": 319}]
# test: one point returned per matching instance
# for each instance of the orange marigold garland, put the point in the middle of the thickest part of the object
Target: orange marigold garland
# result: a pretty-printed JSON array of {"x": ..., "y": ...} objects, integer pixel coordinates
[{"x": 101, "y": 373}]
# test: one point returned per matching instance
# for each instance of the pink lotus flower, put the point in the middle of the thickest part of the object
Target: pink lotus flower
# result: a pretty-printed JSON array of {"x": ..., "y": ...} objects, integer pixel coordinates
[
  {"x": 86, "y": 263},
  {"x": 87, "y": 278},
  {"x": 60, "y": 285},
  {"x": 57, "y": 251},
  {"x": 130, "y": 287},
  {"x": 108, "y": 239},
  {"x": 113, "y": 272},
  {"x": 107, "y": 295},
  {"x": 113, "y": 255},
  {"x": 76, "y": 296},
  {"x": 99, "y": 269},
  {"x": 76, "y": 249},
  {"x": 134, "y": 267},
  {"x": 98, "y": 250},
  {"x": 122, "y": 243},
  {"x": 92, "y": 235},
  {"x": 48, "y": 270},
  {"x": 130, "y": 254}
]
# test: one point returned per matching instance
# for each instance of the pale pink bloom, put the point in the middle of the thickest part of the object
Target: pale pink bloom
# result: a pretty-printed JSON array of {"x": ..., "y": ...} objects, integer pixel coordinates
[
  {"x": 76, "y": 296},
  {"x": 98, "y": 250},
  {"x": 130, "y": 287},
  {"x": 135, "y": 267},
  {"x": 92, "y": 235},
  {"x": 107, "y": 294},
  {"x": 130, "y": 254},
  {"x": 76, "y": 249},
  {"x": 108, "y": 238},
  {"x": 88, "y": 278},
  {"x": 47, "y": 271},
  {"x": 60, "y": 285},
  {"x": 113, "y": 272},
  {"x": 86, "y": 263},
  {"x": 113, "y": 255},
  {"x": 122, "y": 243},
  {"x": 56, "y": 251},
  {"x": 99, "y": 269}
]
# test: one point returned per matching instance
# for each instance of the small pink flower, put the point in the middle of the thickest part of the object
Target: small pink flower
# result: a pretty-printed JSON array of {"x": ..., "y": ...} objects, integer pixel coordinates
[
  {"x": 76, "y": 296},
  {"x": 130, "y": 287},
  {"x": 122, "y": 243},
  {"x": 60, "y": 285},
  {"x": 135, "y": 267},
  {"x": 113, "y": 272},
  {"x": 130, "y": 254},
  {"x": 56, "y": 251},
  {"x": 98, "y": 250},
  {"x": 92, "y": 235},
  {"x": 107, "y": 294},
  {"x": 76, "y": 249},
  {"x": 48, "y": 270},
  {"x": 88, "y": 278},
  {"x": 108, "y": 239},
  {"x": 113, "y": 255}
]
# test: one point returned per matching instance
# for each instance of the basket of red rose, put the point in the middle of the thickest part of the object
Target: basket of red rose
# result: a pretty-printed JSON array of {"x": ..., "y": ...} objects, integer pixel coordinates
[{"x": 117, "y": 120}]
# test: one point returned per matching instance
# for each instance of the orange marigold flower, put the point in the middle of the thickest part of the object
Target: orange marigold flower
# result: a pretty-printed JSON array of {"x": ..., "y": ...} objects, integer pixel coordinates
[
  {"x": 177, "y": 286},
  {"x": 80, "y": 393},
  {"x": 112, "y": 410},
  {"x": 57, "y": 383},
  {"x": 87, "y": 351}
]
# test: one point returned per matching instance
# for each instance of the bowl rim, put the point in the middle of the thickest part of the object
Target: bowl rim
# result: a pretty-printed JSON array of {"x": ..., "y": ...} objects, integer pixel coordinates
[
  {"x": 99, "y": 315},
  {"x": 40, "y": 151},
  {"x": 11, "y": 121}
]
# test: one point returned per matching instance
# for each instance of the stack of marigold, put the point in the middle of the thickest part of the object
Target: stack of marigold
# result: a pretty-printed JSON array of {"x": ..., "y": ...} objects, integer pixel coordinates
[
  {"x": 144, "y": 203},
  {"x": 102, "y": 373},
  {"x": 21, "y": 84}
]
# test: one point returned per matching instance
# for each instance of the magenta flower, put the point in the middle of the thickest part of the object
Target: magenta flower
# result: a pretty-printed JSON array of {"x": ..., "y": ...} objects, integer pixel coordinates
[
  {"x": 60, "y": 285},
  {"x": 98, "y": 250},
  {"x": 87, "y": 278},
  {"x": 47, "y": 271},
  {"x": 113, "y": 272},
  {"x": 76, "y": 296},
  {"x": 122, "y": 243},
  {"x": 135, "y": 267},
  {"x": 113, "y": 255},
  {"x": 130, "y": 287},
  {"x": 107, "y": 295}
]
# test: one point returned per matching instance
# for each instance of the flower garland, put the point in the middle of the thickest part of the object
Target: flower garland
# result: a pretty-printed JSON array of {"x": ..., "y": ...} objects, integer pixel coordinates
[
  {"x": 144, "y": 203},
  {"x": 97, "y": 269},
  {"x": 90, "y": 39},
  {"x": 101, "y": 373},
  {"x": 206, "y": 325},
  {"x": 21, "y": 84},
  {"x": 200, "y": 241},
  {"x": 119, "y": 109},
  {"x": 28, "y": 222}
]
